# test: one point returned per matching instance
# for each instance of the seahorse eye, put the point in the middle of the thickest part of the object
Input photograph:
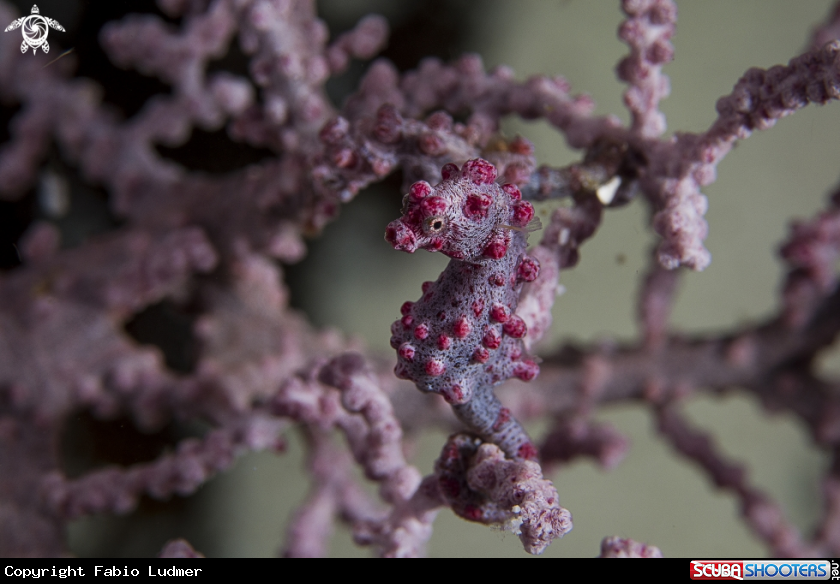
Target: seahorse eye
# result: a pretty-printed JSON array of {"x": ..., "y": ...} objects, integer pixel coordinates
[{"x": 434, "y": 224}]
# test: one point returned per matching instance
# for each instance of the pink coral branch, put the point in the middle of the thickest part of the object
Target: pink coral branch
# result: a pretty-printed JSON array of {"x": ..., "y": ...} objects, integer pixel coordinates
[
  {"x": 648, "y": 30},
  {"x": 117, "y": 490},
  {"x": 376, "y": 445},
  {"x": 363, "y": 42},
  {"x": 334, "y": 492},
  {"x": 363, "y": 412},
  {"x": 481, "y": 484},
  {"x": 617, "y": 547},
  {"x": 678, "y": 169},
  {"x": 829, "y": 30},
  {"x": 570, "y": 439},
  {"x": 179, "y": 548},
  {"x": 656, "y": 299}
]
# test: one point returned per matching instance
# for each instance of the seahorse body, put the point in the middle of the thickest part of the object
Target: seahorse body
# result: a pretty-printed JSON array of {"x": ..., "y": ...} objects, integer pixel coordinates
[{"x": 462, "y": 337}]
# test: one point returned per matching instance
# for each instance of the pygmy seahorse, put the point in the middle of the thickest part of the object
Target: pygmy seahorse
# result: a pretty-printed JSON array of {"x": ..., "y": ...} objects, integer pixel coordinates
[{"x": 463, "y": 337}]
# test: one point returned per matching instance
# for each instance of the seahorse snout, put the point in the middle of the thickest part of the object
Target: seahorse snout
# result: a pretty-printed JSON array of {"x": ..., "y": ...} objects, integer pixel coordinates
[{"x": 399, "y": 235}]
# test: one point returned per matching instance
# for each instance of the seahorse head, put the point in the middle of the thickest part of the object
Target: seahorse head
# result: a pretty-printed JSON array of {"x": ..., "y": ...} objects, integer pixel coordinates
[{"x": 467, "y": 216}]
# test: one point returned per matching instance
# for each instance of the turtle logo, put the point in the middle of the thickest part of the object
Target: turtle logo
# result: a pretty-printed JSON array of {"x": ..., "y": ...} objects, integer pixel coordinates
[{"x": 35, "y": 29}]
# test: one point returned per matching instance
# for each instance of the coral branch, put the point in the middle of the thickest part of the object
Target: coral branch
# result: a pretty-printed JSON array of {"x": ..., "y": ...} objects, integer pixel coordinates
[
  {"x": 365, "y": 416},
  {"x": 117, "y": 491},
  {"x": 648, "y": 31},
  {"x": 179, "y": 548},
  {"x": 656, "y": 299},
  {"x": 617, "y": 547},
  {"x": 334, "y": 492},
  {"x": 829, "y": 30},
  {"x": 482, "y": 485},
  {"x": 679, "y": 168},
  {"x": 573, "y": 438}
]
